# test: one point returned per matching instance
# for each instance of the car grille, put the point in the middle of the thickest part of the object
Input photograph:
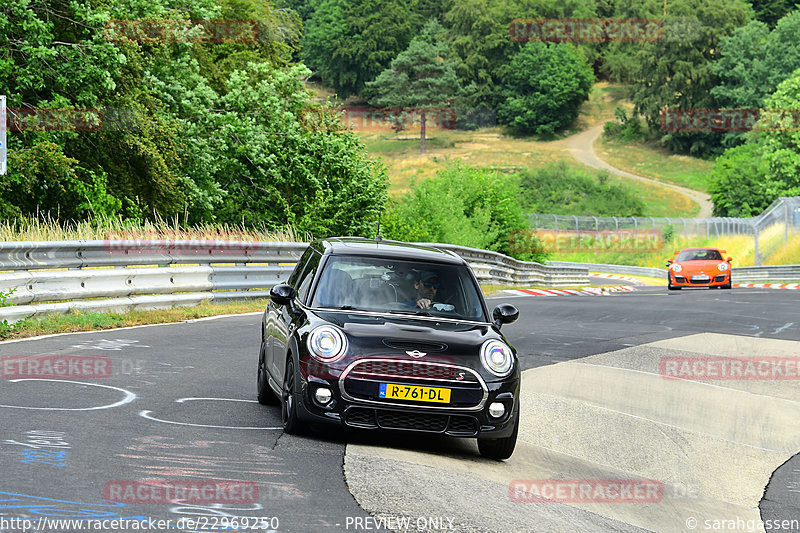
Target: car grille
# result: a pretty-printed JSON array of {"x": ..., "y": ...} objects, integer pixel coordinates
[
  {"x": 699, "y": 281},
  {"x": 720, "y": 278},
  {"x": 680, "y": 279},
  {"x": 455, "y": 425},
  {"x": 362, "y": 379}
]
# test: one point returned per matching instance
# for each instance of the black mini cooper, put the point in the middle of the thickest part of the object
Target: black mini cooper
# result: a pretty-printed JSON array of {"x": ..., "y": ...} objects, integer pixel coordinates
[{"x": 378, "y": 334}]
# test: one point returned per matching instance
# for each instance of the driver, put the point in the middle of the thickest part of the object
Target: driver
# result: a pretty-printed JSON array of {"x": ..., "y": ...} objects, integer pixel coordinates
[{"x": 427, "y": 285}]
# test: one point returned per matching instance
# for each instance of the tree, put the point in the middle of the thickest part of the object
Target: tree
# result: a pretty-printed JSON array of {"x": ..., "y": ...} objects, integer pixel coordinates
[
  {"x": 349, "y": 43},
  {"x": 544, "y": 86},
  {"x": 422, "y": 77},
  {"x": 771, "y": 11},
  {"x": 748, "y": 178},
  {"x": 781, "y": 151},
  {"x": 478, "y": 35},
  {"x": 286, "y": 161},
  {"x": 676, "y": 72},
  {"x": 737, "y": 182}
]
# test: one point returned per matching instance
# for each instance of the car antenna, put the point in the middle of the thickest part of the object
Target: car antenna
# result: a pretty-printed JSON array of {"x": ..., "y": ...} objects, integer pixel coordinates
[{"x": 378, "y": 235}]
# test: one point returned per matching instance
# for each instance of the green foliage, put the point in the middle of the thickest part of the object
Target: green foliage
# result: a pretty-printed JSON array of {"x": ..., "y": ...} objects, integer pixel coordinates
[
  {"x": 42, "y": 179},
  {"x": 781, "y": 151},
  {"x": 288, "y": 161},
  {"x": 348, "y": 43},
  {"x": 669, "y": 233},
  {"x": 561, "y": 189},
  {"x": 5, "y": 301},
  {"x": 460, "y": 205},
  {"x": 625, "y": 129},
  {"x": 543, "y": 88},
  {"x": 770, "y": 11},
  {"x": 205, "y": 131},
  {"x": 420, "y": 77},
  {"x": 752, "y": 62},
  {"x": 478, "y": 36},
  {"x": 737, "y": 182},
  {"x": 676, "y": 72}
]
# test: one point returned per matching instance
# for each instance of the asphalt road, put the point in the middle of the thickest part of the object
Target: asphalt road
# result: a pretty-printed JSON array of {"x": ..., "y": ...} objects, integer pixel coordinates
[{"x": 176, "y": 402}]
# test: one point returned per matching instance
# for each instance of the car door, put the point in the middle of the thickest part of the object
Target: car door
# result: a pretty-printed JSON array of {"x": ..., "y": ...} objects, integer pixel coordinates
[
  {"x": 285, "y": 322},
  {"x": 274, "y": 316}
]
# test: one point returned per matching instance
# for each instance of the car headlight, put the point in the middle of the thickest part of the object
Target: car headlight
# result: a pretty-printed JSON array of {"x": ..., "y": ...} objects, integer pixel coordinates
[
  {"x": 327, "y": 343},
  {"x": 722, "y": 267},
  {"x": 497, "y": 358},
  {"x": 676, "y": 267}
]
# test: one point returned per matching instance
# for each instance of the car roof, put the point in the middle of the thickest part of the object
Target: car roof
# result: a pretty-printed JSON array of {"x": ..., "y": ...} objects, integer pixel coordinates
[
  {"x": 387, "y": 248},
  {"x": 702, "y": 248}
]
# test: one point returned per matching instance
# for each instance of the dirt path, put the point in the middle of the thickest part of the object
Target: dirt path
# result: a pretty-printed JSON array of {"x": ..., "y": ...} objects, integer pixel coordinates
[{"x": 581, "y": 146}]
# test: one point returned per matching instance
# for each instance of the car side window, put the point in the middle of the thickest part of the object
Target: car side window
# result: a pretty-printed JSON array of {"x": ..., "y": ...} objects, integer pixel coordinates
[
  {"x": 300, "y": 267},
  {"x": 307, "y": 277}
]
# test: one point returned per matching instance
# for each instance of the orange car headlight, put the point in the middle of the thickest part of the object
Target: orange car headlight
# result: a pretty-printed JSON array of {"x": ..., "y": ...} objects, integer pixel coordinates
[
  {"x": 676, "y": 267},
  {"x": 722, "y": 267}
]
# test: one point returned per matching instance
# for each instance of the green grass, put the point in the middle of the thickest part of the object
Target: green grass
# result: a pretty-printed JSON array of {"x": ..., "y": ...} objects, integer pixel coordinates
[
  {"x": 47, "y": 229},
  {"x": 80, "y": 321},
  {"x": 650, "y": 161}
]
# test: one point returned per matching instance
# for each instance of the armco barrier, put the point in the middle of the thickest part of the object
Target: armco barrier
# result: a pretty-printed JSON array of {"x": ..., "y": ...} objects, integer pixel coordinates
[
  {"x": 120, "y": 275},
  {"x": 740, "y": 274}
]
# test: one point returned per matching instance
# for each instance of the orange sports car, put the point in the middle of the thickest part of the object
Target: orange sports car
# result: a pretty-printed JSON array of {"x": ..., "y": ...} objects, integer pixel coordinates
[{"x": 699, "y": 267}]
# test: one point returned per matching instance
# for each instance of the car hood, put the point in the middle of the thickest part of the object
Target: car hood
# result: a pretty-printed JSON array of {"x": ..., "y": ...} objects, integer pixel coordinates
[
  {"x": 380, "y": 335},
  {"x": 701, "y": 267}
]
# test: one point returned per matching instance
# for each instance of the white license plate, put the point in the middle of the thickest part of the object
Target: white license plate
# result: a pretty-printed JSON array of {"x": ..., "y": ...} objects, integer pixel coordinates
[{"x": 700, "y": 278}]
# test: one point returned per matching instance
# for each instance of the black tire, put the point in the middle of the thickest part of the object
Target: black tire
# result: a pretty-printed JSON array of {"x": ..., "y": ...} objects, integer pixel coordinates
[
  {"x": 500, "y": 449},
  {"x": 726, "y": 286},
  {"x": 672, "y": 287},
  {"x": 265, "y": 394},
  {"x": 291, "y": 424}
]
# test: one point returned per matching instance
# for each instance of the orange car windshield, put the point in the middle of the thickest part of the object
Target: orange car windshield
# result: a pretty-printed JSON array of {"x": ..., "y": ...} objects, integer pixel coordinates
[{"x": 699, "y": 255}]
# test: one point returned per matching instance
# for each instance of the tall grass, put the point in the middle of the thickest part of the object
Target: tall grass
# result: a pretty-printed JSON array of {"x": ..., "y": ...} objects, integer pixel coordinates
[{"x": 99, "y": 228}]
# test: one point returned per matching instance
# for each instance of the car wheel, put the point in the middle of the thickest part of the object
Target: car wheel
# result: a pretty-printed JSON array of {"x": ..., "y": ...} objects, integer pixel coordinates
[
  {"x": 500, "y": 449},
  {"x": 672, "y": 287},
  {"x": 291, "y": 424},
  {"x": 265, "y": 394},
  {"x": 726, "y": 286}
]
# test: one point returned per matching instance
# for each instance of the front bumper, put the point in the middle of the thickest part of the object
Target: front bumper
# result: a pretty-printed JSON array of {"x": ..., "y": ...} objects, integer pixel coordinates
[
  {"x": 353, "y": 405},
  {"x": 720, "y": 279}
]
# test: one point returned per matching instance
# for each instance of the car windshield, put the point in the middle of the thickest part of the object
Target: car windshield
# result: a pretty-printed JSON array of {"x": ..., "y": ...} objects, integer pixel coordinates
[
  {"x": 699, "y": 255},
  {"x": 395, "y": 286}
]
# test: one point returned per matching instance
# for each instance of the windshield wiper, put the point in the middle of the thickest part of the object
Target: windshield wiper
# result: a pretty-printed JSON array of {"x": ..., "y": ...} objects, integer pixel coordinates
[{"x": 414, "y": 313}]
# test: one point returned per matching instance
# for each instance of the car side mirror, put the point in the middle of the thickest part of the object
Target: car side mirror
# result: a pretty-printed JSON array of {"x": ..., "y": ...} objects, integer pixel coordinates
[
  {"x": 504, "y": 314},
  {"x": 669, "y": 261},
  {"x": 282, "y": 294},
  {"x": 729, "y": 259}
]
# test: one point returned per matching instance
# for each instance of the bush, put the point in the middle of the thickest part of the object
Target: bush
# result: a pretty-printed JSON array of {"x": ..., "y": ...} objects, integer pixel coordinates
[
  {"x": 460, "y": 205},
  {"x": 624, "y": 129},
  {"x": 738, "y": 182},
  {"x": 543, "y": 87},
  {"x": 564, "y": 190}
]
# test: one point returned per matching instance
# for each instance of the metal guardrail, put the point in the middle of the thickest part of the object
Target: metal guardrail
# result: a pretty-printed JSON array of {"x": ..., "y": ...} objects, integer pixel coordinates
[
  {"x": 616, "y": 269},
  {"x": 739, "y": 274},
  {"x": 783, "y": 214},
  {"x": 55, "y": 277}
]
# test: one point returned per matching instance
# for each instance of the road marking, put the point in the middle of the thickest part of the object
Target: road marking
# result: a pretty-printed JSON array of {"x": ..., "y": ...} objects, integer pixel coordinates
[
  {"x": 148, "y": 416},
  {"x": 785, "y": 326},
  {"x": 129, "y": 397}
]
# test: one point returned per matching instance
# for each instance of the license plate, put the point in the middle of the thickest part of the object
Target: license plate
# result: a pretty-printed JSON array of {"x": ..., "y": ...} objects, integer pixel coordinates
[
  {"x": 700, "y": 278},
  {"x": 393, "y": 391}
]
